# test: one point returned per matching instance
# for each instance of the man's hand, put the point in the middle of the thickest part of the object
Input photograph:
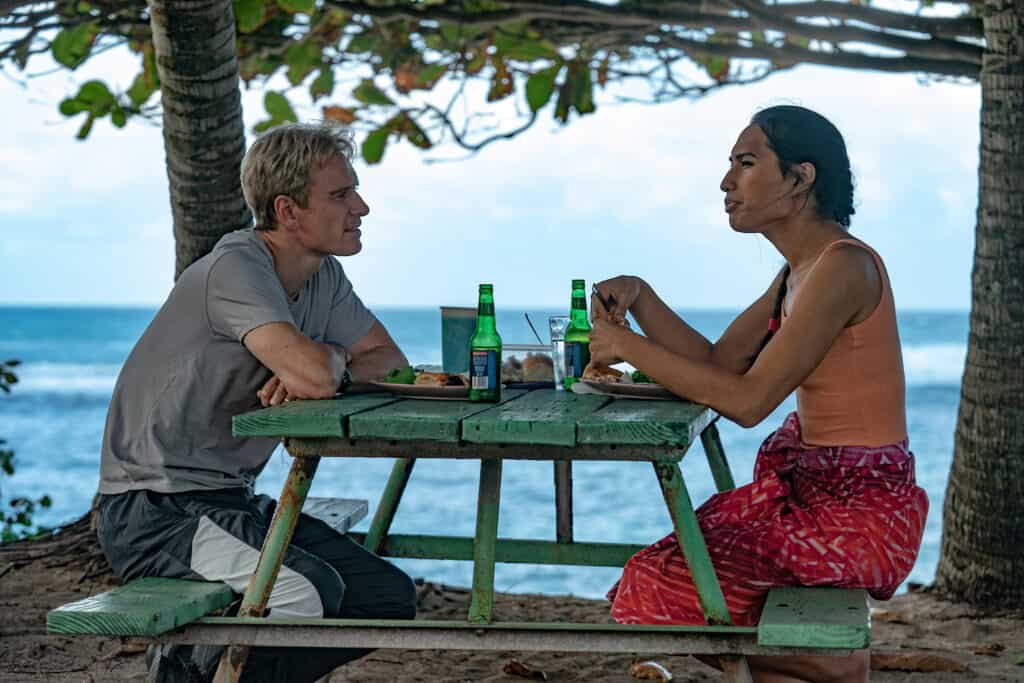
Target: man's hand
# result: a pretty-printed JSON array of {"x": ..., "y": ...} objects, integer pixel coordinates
[{"x": 274, "y": 392}]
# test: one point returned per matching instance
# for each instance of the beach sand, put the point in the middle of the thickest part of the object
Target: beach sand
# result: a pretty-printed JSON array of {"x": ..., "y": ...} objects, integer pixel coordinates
[{"x": 914, "y": 630}]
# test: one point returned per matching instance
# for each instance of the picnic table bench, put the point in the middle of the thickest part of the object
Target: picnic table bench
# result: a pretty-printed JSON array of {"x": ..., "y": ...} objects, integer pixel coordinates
[{"x": 561, "y": 427}]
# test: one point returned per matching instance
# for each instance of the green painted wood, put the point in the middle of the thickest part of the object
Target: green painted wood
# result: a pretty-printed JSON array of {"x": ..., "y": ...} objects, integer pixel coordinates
[
  {"x": 543, "y": 417},
  {"x": 717, "y": 461},
  {"x": 426, "y": 624},
  {"x": 652, "y": 423},
  {"x": 420, "y": 419},
  {"x": 388, "y": 506},
  {"x": 510, "y": 550},
  {"x": 306, "y": 418},
  {"x": 691, "y": 540},
  {"x": 488, "y": 501},
  {"x": 815, "y": 617},
  {"x": 146, "y": 607}
]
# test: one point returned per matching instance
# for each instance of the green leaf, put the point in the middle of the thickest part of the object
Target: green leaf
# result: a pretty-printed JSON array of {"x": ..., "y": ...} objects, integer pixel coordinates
[
  {"x": 117, "y": 116},
  {"x": 583, "y": 99},
  {"x": 524, "y": 49},
  {"x": 248, "y": 14},
  {"x": 301, "y": 58},
  {"x": 429, "y": 74},
  {"x": 97, "y": 96},
  {"x": 83, "y": 132},
  {"x": 279, "y": 108},
  {"x": 373, "y": 145},
  {"x": 368, "y": 93},
  {"x": 72, "y": 45},
  {"x": 323, "y": 84},
  {"x": 414, "y": 134},
  {"x": 70, "y": 106},
  {"x": 263, "y": 126},
  {"x": 361, "y": 42},
  {"x": 451, "y": 33},
  {"x": 565, "y": 93},
  {"x": 293, "y": 6},
  {"x": 540, "y": 86}
]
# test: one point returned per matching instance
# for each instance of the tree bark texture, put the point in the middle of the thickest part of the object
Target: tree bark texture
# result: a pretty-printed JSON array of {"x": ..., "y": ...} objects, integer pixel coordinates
[
  {"x": 982, "y": 559},
  {"x": 204, "y": 138}
]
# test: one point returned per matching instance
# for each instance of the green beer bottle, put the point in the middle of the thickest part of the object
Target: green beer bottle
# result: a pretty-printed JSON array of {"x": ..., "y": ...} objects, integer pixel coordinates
[
  {"x": 577, "y": 335},
  {"x": 485, "y": 352}
]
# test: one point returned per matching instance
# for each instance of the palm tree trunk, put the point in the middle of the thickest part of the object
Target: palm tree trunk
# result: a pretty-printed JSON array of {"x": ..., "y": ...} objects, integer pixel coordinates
[
  {"x": 982, "y": 560},
  {"x": 204, "y": 138}
]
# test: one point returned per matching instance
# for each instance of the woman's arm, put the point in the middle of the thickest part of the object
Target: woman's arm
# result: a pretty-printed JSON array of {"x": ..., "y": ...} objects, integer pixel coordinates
[
  {"x": 844, "y": 283},
  {"x": 735, "y": 350}
]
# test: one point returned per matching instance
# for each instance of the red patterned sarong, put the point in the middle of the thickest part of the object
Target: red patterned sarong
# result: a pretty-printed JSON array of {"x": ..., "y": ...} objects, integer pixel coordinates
[{"x": 813, "y": 516}]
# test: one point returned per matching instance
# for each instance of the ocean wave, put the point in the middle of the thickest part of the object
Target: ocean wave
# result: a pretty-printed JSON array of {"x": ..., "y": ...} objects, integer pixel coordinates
[
  {"x": 929, "y": 364},
  {"x": 66, "y": 378},
  {"x": 925, "y": 364}
]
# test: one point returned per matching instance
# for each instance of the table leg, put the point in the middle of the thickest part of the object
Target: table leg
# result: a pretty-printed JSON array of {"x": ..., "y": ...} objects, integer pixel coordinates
[
  {"x": 563, "y": 501},
  {"x": 279, "y": 535},
  {"x": 716, "y": 458},
  {"x": 385, "y": 514},
  {"x": 691, "y": 540},
  {"x": 487, "y": 505}
]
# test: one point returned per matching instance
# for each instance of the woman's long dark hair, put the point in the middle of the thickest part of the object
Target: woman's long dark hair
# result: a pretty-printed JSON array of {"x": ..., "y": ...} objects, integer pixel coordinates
[{"x": 798, "y": 135}]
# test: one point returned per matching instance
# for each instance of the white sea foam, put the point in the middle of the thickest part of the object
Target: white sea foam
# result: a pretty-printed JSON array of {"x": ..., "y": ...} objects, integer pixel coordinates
[
  {"x": 926, "y": 364},
  {"x": 66, "y": 378}
]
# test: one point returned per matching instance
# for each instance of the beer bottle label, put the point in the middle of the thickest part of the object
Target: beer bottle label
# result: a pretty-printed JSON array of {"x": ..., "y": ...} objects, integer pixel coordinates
[
  {"x": 577, "y": 355},
  {"x": 483, "y": 370}
]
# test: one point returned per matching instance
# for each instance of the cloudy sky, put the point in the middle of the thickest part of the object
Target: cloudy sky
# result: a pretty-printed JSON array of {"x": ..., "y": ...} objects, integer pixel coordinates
[{"x": 630, "y": 189}]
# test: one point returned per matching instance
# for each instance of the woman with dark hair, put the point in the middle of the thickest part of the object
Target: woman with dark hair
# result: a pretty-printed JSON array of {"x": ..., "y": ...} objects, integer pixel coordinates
[{"x": 833, "y": 501}]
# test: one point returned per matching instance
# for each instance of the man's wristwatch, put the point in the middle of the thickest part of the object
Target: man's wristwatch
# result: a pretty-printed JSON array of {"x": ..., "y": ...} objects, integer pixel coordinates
[{"x": 346, "y": 381}]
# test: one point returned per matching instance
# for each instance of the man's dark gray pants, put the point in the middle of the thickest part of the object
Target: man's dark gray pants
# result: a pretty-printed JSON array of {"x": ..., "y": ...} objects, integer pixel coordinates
[{"x": 217, "y": 536}]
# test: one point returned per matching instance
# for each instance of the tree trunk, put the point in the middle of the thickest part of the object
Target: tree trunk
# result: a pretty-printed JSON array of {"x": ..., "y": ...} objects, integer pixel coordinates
[
  {"x": 982, "y": 561},
  {"x": 204, "y": 138}
]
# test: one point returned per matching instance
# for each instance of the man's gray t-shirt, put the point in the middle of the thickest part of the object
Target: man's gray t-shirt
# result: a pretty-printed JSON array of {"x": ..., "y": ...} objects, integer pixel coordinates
[{"x": 169, "y": 424}]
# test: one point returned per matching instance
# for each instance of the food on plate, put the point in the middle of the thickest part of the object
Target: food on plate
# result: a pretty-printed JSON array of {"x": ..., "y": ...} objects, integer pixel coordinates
[
  {"x": 438, "y": 379},
  {"x": 600, "y": 373},
  {"x": 409, "y": 375},
  {"x": 404, "y": 375},
  {"x": 640, "y": 378},
  {"x": 538, "y": 368},
  {"x": 511, "y": 370}
]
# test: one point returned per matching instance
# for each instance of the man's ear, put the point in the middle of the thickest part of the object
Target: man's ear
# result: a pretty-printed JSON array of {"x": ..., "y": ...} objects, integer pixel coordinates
[{"x": 284, "y": 211}]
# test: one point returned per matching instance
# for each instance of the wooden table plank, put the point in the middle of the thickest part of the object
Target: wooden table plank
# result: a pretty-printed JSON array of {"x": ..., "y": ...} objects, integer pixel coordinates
[
  {"x": 306, "y": 418},
  {"x": 543, "y": 417},
  {"x": 420, "y": 419},
  {"x": 652, "y": 423}
]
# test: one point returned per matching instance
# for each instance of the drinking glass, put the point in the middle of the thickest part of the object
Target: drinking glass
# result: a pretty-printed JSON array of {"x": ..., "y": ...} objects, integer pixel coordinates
[
  {"x": 557, "y": 325},
  {"x": 457, "y": 326}
]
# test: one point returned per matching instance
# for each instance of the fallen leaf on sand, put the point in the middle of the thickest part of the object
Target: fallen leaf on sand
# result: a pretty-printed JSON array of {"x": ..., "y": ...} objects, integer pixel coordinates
[
  {"x": 514, "y": 667},
  {"x": 650, "y": 671},
  {"x": 879, "y": 614},
  {"x": 895, "y": 661},
  {"x": 990, "y": 649}
]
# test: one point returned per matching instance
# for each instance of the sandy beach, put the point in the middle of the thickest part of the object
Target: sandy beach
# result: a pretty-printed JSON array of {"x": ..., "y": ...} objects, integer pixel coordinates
[{"x": 916, "y": 637}]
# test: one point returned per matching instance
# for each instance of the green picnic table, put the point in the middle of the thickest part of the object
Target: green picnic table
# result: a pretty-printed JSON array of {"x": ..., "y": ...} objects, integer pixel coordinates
[{"x": 562, "y": 427}]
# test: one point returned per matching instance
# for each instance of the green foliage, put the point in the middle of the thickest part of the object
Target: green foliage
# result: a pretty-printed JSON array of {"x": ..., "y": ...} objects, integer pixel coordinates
[
  {"x": 280, "y": 110},
  {"x": 15, "y": 520},
  {"x": 536, "y": 62},
  {"x": 71, "y": 47},
  {"x": 404, "y": 375}
]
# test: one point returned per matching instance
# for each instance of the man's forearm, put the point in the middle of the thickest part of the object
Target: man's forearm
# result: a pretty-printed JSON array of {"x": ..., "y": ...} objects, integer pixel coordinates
[{"x": 376, "y": 363}]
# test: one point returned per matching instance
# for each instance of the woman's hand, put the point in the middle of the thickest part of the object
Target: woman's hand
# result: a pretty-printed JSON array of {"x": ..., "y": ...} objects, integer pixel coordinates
[
  {"x": 620, "y": 292},
  {"x": 606, "y": 339}
]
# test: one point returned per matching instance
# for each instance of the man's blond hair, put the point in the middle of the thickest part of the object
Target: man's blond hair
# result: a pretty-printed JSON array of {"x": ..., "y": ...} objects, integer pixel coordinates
[{"x": 282, "y": 162}]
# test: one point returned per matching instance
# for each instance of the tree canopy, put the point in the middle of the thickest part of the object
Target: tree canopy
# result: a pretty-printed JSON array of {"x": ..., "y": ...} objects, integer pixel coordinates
[{"x": 429, "y": 71}]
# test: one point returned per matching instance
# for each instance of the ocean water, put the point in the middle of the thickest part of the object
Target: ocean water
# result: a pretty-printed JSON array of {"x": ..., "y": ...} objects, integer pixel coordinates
[{"x": 54, "y": 419}]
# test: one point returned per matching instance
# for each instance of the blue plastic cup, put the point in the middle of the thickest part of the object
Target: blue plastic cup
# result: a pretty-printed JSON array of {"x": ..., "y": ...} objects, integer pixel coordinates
[{"x": 457, "y": 326}]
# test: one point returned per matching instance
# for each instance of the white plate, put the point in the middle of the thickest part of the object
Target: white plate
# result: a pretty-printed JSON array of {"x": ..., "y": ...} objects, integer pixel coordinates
[
  {"x": 424, "y": 391},
  {"x": 635, "y": 390}
]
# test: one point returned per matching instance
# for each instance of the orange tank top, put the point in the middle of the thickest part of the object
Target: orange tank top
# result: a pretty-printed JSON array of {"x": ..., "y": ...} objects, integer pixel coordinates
[{"x": 857, "y": 394}]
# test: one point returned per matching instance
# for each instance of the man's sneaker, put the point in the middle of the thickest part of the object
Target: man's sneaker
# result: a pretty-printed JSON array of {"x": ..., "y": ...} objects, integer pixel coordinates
[{"x": 171, "y": 664}]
